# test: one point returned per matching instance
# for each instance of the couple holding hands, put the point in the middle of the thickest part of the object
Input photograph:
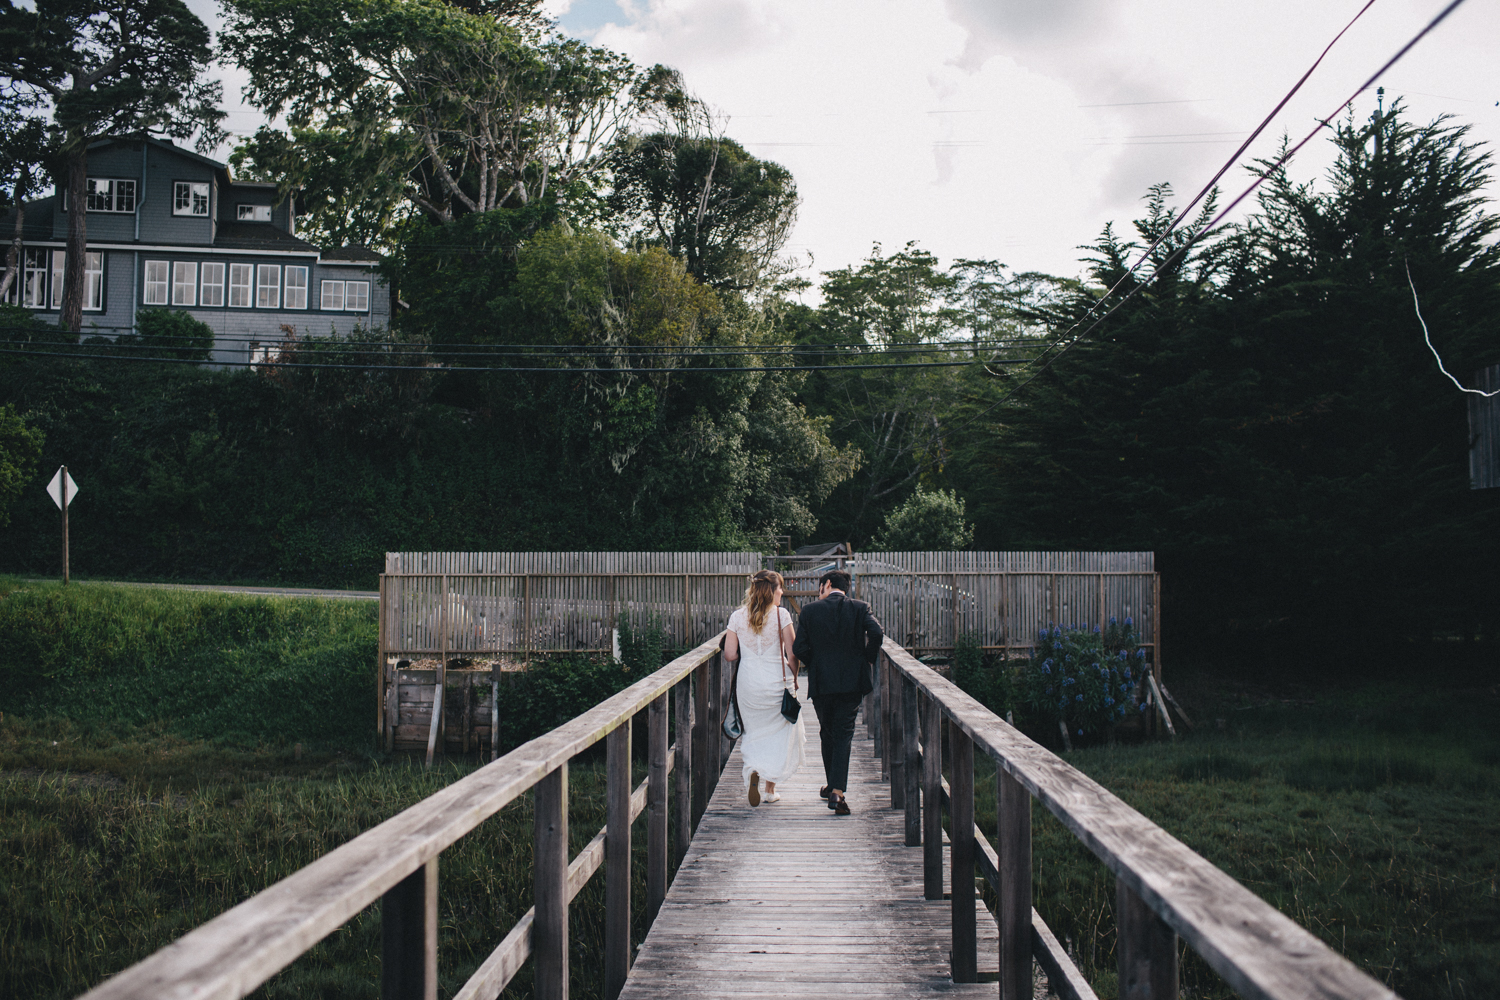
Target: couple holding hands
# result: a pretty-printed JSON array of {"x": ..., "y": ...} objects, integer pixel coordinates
[{"x": 838, "y": 644}]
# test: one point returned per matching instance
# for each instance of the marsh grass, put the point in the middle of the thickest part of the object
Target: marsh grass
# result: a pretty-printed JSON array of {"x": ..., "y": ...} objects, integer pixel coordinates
[
  {"x": 101, "y": 875},
  {"x": 1367, "y": 816}
]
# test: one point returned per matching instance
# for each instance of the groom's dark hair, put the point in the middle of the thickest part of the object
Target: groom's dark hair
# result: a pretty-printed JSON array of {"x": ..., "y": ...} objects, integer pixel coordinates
[{"x": 835, "y": 578}]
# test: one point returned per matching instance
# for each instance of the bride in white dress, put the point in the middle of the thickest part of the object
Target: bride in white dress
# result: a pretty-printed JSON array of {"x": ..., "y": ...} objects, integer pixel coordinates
[{"x": 760, "y": 637}]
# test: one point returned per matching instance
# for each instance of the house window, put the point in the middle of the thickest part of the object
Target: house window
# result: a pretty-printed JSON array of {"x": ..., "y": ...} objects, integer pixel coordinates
[
  {"x": 357, "y": 296},
  {"x": 156, "y": 283},
  {"x": 34, "y": 280},
  {"x": 254, "y": 213},
  {"x": 296, "y": 288},
  {"x": 107, "y": 195},
  {"x": 268, "y": 286},
  {"x": 240, "y": 276},
  {"x": 93, "y": 281},
  {"x": 213, "y": 285},
  {"x": 59, "y": 269},
  {"x": 189, "y": 198},
  {"x": 184, "y": 283},
  {"x": 333, "y": 296},
  {"x": 262, "y": 353}
]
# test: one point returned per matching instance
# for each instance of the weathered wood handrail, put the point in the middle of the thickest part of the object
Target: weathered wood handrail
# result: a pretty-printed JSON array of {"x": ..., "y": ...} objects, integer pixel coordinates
[
  {"x": 1165, "y": 890},
  {"x": 396, "y": 862}
]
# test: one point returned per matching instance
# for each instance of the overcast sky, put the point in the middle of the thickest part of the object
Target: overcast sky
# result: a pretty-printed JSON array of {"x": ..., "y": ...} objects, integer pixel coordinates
[{"x": 1015, "y": 129}]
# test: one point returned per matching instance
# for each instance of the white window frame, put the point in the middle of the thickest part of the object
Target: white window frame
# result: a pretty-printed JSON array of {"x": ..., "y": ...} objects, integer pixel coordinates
[
  {"x": 34, "y": 278},
  {"x": 294, "y": 287},
  {"x": 59, "y": 273},
  {"x": 156, "y": 287},
  {"x": 190, "y": 198},
  {"x": 252, "y": 213},
  {"x": 113, "y": 194},
  {"x": 268, "y": 292},
  {"x": 241, "y": 289},
  {"x": 362, "y": 296},
  {"x": 212, "y": 288},
  {"x": 93, "y": 281},
  {"x": 184, "y": 283},
  {"x": 331, "y": 295}
]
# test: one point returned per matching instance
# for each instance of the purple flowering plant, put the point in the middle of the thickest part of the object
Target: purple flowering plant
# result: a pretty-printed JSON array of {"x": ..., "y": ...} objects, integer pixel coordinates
[{"x": 1099, "y": 668}]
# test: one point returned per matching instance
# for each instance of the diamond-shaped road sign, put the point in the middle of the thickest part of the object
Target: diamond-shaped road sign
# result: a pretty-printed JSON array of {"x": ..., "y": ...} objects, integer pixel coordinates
[{"x": 54, "y": 488}]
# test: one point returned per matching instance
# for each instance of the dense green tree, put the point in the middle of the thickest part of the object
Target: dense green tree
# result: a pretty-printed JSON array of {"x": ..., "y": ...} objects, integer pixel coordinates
[
  {"x": 23, "y": 153},
  {"x": 926, "y": 522},
  {"x": 1266, "y": 416},
  {"x": 104, "y": 68},
  {"x": 20, "y": 448}
]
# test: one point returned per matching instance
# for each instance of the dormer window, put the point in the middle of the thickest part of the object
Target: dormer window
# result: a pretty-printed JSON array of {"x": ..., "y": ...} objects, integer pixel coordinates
[
  {"x": 189, "y": 198},
  {"x": 109, "y": 195},
  {"x": 254, "y": 213}
]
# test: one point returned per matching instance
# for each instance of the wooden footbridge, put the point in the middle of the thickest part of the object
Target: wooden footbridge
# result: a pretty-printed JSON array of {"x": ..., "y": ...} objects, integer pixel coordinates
[{"x": 785, "y": 900}]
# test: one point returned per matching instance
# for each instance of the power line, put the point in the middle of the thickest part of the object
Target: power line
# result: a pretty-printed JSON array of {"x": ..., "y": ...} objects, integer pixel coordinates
[{"x": 443, "y": 369}]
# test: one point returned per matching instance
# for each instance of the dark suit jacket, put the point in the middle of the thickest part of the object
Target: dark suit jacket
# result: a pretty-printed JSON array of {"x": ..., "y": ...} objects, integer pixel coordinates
[{"x": 838, "y": 639}]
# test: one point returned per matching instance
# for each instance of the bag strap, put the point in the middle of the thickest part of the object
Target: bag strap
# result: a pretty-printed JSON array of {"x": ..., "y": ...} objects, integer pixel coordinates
[{"x": 781, "y": 647}]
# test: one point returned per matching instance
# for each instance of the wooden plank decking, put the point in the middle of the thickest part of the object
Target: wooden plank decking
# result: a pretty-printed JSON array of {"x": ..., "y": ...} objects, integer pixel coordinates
[{"x": 789, "y": 900}]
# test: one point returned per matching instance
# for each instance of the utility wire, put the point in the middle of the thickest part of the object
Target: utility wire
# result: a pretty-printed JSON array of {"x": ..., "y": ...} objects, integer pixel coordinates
[
  {"x": 1417, "y": 305},
  {"x": 534, "y": 370}
]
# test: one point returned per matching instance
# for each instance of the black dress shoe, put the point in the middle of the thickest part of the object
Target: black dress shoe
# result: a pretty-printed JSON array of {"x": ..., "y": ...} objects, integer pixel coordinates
[
  {"x": 823, "y": 792},
  {"x": 840, "y": 806}
]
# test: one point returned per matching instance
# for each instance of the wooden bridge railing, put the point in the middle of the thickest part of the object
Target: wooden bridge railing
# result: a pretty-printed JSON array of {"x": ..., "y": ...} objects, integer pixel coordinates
[
  {"x": 396, "y": 863},
  {"x": 1164, "y": 890}
]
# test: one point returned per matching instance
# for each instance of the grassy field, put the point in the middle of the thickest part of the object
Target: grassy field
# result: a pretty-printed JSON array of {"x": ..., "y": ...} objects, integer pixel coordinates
[{"x": 154, "y": 772}]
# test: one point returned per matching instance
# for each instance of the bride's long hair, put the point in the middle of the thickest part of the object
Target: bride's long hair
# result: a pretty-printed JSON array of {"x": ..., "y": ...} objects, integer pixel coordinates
[{"x": 760, "y": 597}]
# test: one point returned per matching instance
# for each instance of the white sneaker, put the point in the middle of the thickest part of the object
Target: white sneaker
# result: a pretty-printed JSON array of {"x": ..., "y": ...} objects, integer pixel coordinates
[{"x": 773, "y": 797}]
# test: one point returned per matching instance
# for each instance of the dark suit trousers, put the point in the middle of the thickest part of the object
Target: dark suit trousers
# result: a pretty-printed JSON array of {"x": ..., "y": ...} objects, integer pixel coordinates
[{"x": 836, "y": 714}]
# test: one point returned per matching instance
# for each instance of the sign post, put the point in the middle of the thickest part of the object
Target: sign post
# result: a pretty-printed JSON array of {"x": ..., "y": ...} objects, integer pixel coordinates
[{"x": 62, "y": 490}]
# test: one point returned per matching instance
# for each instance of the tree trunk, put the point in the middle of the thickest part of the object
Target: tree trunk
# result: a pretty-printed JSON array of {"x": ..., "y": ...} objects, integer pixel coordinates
[
  {"x": 72, "y": 303},
  {"x": 13, "y": 259}
]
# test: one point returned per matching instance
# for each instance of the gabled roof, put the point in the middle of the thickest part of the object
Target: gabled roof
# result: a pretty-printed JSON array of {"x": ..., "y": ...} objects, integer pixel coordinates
[
  {"x": 258, "y": 236},
  {"x": 172, "y": 147}
]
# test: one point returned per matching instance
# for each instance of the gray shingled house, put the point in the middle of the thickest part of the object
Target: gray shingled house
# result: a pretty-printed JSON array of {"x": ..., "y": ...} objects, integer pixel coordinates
[{"x": 170, "y": 229}]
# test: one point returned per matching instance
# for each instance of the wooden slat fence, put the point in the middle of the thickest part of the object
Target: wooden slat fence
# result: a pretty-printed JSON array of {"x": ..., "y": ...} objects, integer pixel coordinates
[
  {"x": 473, "y": 615},
  {"x": 1484, "y": 430}
]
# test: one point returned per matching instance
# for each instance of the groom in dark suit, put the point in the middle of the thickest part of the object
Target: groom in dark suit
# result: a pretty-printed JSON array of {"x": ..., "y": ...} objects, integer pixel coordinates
[{"x": 838, "y": 640}]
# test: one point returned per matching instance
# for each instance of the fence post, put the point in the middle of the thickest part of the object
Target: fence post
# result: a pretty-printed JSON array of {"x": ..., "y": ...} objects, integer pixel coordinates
[
  {"x": 1147, "y": 949},
  {"x": 656, "y": 809},
  {"x": 408, "y": 937},
  {"x": 932, "y": 799},
  {"x": 1013, "y": 911},
  {"x": 380, "y": 670},
  {"x": 549, "y": 934},
  {"x": 877, "y": 716},
  {"x": 895, "y": 686},
  {"x": 700, "y": 742},
  {"x": 961, "y": 835},
  {"x": 913, "y": 769},
  {"x": 726, "y": 681},
  {"x": 682, "y": 779},
  {"x": 887, "y": 741},
  {"x": 617, "y": 860}
]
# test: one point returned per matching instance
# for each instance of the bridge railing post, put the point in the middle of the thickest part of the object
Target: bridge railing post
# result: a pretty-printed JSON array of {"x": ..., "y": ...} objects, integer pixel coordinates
[
  {"x": 549, "y": 933},
  {"x": 895, "y": 687},
  {"x": 961, "y": 837},
  {"x": 656, "y": 809},
  {"x": 873, "y": 720},
  {"x": 701, "y": 681},
  {"x": 682, "y": 769},
  {"x": 1013, "y": 910},
  {"x": 912, "y": 780},
  {"x": 932, "y": 799},
  {"x": 1147, "y": 949},
  {"x": 408, "y": 937},
  {"x": 617, "y": 859},
  {"x": 886, "y": 742}
]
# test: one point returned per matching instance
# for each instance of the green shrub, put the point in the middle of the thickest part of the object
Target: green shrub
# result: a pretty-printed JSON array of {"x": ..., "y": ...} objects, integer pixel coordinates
[
  {"x": 170, "y": 334},
  {"x": 926, "y": 522},
  {"x": 990, "y": 681}
]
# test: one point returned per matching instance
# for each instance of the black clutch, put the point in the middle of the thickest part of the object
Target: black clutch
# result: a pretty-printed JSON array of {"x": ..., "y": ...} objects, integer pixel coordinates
[{"x": 790, "y": 706}]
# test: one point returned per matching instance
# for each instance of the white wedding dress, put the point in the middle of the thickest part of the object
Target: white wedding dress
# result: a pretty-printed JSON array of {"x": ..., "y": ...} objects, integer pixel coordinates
[{"x": 770, "y": 744}]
